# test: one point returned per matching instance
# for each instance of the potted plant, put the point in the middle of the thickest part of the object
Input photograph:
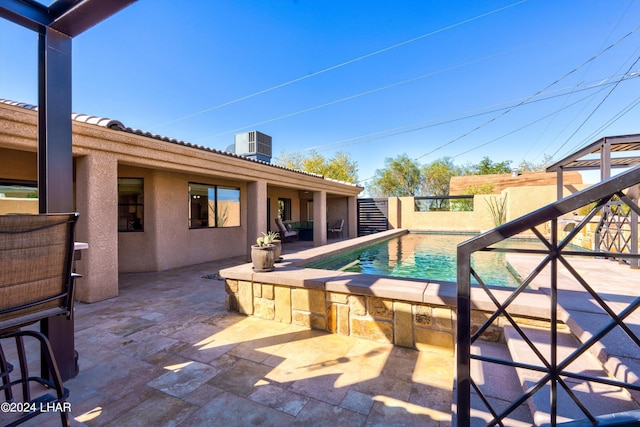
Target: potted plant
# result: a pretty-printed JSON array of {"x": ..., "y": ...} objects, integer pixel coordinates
[{"x": 263, "y": 253}]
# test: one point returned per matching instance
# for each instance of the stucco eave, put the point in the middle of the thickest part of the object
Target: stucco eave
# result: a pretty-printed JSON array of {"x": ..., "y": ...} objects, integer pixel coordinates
[
  {"x": 20, "y": 132},
  {"x": 142, "y": 151}
]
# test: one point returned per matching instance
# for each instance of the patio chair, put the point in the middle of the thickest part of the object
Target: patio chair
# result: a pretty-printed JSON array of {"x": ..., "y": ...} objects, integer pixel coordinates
[
  {"x": 36, "y": 282},
  {"x": 285, "y": 232},
  {"x": 338, "y": 228}
]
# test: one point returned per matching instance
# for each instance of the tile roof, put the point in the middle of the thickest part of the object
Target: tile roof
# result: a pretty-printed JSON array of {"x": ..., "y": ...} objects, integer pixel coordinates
[{"x": 118, "y": 125}]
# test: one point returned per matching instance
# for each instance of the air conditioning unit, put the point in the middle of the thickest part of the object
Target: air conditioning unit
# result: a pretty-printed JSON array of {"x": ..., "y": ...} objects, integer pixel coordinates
[{"x": 254, "y": 145}]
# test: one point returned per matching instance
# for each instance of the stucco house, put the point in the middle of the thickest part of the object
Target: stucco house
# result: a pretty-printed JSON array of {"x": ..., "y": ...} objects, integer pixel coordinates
[{"x": 150, "y": 203}]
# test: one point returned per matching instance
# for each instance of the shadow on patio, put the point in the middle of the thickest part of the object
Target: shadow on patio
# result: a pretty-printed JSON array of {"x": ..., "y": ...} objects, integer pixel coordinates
[{"x": 167, "y": 352}]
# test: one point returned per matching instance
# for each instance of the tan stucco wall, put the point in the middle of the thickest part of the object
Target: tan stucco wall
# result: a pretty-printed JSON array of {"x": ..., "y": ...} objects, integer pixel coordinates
[
  {"x": 402, "y": 214},
  {"x": 275, "y": 193},
  {"x": 337, "y": 209},
  {"x": 97, "y": 201},
  {"x": 167, "y": 241},
  {"x": 520, "y": 201}
]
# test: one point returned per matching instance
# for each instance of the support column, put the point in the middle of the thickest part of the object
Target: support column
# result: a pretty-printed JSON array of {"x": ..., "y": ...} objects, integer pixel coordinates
[
  {"x": 97, "y": 202},
  {"x": 319, "y": 218},
  {"x": 55, "y": 167},
  {"x": 55, "y": 160},
  {"x": 559, "y": 183},
  {"x": 256, "y": 212},
  {"x": 352, "y": 209}
]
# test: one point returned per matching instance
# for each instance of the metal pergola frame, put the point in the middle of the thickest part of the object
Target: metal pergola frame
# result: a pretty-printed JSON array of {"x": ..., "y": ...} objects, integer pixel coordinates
[
  {"x": 581, "y": 160},
  {"x": 56, "y": 26},
  {"x": 598, "y": 156}
]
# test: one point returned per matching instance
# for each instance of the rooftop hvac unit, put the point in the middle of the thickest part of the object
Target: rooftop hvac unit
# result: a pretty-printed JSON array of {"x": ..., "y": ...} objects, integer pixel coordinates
[{"x": 254, "y": 145}]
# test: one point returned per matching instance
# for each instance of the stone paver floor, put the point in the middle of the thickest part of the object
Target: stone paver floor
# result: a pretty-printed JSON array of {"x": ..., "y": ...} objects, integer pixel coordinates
[{"x": 166, "y": 352}]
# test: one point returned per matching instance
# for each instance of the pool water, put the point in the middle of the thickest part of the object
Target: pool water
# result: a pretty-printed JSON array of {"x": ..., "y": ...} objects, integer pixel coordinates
[{"x": 424, "y": 256}]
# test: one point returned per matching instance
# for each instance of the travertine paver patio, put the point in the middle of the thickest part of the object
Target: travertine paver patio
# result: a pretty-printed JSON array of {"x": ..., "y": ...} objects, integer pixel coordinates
[{"x": 167, "y": 352}]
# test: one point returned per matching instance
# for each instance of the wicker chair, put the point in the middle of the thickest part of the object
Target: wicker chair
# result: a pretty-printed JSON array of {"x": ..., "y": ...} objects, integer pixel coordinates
[{"x": 36, "y": 282}]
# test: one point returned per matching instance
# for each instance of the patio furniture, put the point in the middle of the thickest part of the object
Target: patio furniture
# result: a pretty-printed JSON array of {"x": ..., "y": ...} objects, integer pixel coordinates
[
  {"x": 36, "y": 282},
  {"x": 285, "y": 232},
  {"x": 338, "y": 228}
]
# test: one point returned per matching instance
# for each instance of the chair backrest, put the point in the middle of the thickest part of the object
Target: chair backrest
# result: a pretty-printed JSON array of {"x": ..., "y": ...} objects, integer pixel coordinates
[
  {"x": 340, "y": 225},
  {"x": 281, "y": 226},
  {"x": 36, "y": 255}
]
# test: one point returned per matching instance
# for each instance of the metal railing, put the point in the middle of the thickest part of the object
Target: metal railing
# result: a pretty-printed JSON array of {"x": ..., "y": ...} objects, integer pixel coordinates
[
  {"x": 618, "y": 231},
  {"x": 443, "y": 203},
  {"x": 555, "y": 370}
]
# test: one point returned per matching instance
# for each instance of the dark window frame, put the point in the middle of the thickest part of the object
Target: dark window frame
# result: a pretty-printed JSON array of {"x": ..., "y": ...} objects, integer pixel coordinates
[
  {"x": 202, "y": 220},
  {"x": 284, "y": 209}
]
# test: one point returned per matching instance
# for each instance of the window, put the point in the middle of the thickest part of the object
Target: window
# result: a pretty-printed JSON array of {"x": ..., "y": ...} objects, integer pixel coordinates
[
  {"x": 309, "y": 210},
  {"x": 284, "y": 209},
  {"x": 130, "y": 204},
  {"x": 213, "y": 206},
  {"x": 17, "y": 189}
]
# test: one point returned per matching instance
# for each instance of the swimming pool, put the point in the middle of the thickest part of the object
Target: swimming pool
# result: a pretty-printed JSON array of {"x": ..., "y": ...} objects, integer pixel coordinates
[{"x": 424, "y": 256}]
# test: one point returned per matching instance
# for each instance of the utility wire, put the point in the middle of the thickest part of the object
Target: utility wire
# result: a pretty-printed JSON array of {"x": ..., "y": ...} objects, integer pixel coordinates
[
  {"x": 611, "y": 121},
  {"x": 613, "y": 29},
  {"x": 368, "y": 92},
  {"x": 493, "y": 119},
  {"x": 424, "y": 124},
  {"x": 342, "y": 64},
  {"x": 564, "y": 107},
  {"x": 595, "y": 109}
]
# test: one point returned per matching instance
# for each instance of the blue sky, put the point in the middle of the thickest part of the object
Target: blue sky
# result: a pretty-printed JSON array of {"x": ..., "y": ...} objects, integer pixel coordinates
[{"x": 507, "y": 79}]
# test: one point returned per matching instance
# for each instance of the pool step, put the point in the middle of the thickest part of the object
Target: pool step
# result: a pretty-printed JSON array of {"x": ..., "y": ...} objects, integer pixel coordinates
[{"x": 599, "y": 399}]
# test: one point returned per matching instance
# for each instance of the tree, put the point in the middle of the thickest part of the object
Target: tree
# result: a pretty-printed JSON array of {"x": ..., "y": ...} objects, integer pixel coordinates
[
  {"x": 488, "y": 167},
  {"x": 526, "y": 166},
  {"x": 400, "y": 177},
  {"x": 437, "y": 175},
  {"x": 339, "y": 167}
]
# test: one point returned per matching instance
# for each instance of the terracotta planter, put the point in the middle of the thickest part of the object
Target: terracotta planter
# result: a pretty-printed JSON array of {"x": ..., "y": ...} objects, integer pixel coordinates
[{"x": 263, "y": 257}]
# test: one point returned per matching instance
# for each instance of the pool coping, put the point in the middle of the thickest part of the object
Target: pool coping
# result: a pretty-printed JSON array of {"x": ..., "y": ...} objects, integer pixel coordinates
[{"x": 292, "y": 272}]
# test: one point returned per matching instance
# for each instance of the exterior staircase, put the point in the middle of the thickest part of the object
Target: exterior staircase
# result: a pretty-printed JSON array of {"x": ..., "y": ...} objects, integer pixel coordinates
[
  {"x": 580, "y": 366},
  {"x": 499, "y": 384}
]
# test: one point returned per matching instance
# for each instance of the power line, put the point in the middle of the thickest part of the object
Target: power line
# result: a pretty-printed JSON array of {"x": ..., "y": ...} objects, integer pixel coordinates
[
  {"x": 493, "y": 119},
  {"x": 368, "y": 92},
  {"x": 611, "y": 121},
  {"x": 564, "y": 107},
  {"x": 594, "y": 110},
  {"x": 342, "y": 64},
  {"x": 613, "y": 29},
  {"x": 424, "y": 124},
  {"x": 603, "y": 85}
]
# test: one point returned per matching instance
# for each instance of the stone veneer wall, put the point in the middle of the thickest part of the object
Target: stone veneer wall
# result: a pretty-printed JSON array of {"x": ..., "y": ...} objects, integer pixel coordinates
[
  {"x": 414, "y": 314},
  {"x": 403, "y": 323}
]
